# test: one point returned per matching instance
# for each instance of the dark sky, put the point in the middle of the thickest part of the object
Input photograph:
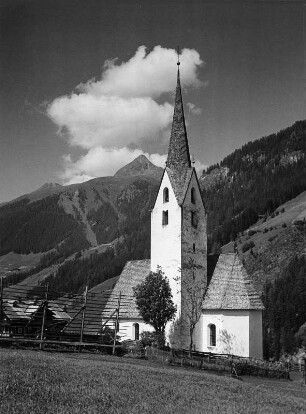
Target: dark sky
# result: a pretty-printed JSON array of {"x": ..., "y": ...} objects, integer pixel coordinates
[{"x": 254, "y": 53}]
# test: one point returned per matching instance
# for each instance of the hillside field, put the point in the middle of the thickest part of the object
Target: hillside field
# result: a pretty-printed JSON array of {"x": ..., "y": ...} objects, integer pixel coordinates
[{"x": 36, "y": 382}]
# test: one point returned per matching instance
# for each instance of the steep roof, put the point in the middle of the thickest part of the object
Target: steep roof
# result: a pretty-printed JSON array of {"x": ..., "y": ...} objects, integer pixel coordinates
[
  {"x": 178, "y": 153},
  {"x": 178, "y": 165},
  {"x": 24, "y": 310},
  {"x": 231, "y": 287},
  {"x": 134, "y": 272}
]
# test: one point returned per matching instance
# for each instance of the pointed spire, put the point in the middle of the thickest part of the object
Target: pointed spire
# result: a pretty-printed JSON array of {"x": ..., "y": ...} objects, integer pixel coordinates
[{"x": 178, "y": 153}]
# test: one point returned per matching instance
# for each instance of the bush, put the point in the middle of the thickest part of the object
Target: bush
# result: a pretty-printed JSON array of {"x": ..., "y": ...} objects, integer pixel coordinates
[
  {"x": 271, "y": 238},
  {"x": 247, "y": 246},
  {"x": 152, "y": 339},
  {"x": 284, "y": 225}
]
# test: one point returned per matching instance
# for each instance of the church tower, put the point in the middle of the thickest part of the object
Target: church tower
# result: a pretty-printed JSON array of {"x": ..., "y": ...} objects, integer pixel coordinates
[{"x": 178, "y": 233}]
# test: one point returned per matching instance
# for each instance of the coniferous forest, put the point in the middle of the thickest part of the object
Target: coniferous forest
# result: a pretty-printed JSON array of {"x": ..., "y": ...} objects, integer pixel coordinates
[
  {"x": 285, "y": 313},
  {"x": 260, "y": 176}
]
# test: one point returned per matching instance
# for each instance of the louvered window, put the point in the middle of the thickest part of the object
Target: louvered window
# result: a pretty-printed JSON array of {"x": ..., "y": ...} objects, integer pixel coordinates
[
  {"x": 193, "y": 195},
  {"x": 166, "y": 195},
  {"x": 194, "y": 219},
  {"x": 165, "y": 218}
]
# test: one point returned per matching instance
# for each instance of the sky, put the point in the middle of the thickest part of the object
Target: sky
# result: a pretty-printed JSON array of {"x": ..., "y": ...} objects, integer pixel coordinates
[{"x": 88, "y": 85}]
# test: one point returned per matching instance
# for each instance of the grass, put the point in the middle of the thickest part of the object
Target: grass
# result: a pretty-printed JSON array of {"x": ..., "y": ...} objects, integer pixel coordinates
[{"x": 38, "y": 382}]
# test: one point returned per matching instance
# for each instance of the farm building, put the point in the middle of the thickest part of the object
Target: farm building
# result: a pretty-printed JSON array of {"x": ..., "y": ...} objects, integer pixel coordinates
[
  {"x": 231, "y": 313},
  {"x": 24, "y": 317}
]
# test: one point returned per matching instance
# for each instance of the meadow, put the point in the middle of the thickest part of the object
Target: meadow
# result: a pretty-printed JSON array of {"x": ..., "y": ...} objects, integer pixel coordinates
[{"x": 41, "y": 382}]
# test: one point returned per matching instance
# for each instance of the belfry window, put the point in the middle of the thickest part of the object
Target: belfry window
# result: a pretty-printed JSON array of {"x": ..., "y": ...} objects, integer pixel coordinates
[
  {"x": 165, "y": 218},
  {"x": 166, "y": 195},
  {"x": 193, "y": 195},
  {"x": 194, "y": 219},
  {"x": 212, "y": 335}
]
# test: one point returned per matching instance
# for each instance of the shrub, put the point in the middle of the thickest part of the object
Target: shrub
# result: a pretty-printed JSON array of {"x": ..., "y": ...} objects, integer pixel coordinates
[
  {"x": 152, "y": 339},
  {"x": 247, "y": 246},
  {"x": 271, "y": 238},
  {"x": 284, "y": 225}
]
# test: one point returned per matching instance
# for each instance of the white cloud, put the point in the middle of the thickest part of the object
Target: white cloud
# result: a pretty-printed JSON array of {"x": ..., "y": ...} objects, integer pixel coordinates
[
  {"x": 194, "y": 109},
  {"x": 146, "y": 75},
  {"x": 199, "y": 166},
  {"x": 105, "y": 117}
]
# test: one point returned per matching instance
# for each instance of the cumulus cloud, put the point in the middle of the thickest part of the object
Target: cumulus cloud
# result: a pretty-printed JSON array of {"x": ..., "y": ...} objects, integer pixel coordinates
[{"x": 127, "y": 108}]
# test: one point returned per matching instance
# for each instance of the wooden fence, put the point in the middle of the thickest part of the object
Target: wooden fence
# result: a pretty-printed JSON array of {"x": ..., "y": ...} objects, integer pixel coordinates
[{"x": 221, "y": 363}]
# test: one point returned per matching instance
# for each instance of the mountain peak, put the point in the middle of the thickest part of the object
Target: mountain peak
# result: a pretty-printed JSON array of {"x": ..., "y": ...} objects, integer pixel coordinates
[{"x": 140, "y": 166}]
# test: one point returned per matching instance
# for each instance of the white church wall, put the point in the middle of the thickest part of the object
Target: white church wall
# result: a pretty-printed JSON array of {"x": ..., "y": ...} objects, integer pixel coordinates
[
  {"x": 232, "y": 331},
  {"x": 127, "y": 328},
  {"x": 166, "y": 239},
  {"x": 256, "y": 340}
]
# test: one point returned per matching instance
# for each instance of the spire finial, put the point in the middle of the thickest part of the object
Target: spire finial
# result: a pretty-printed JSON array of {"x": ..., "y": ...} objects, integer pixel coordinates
[{"x": 178, "y": 56}]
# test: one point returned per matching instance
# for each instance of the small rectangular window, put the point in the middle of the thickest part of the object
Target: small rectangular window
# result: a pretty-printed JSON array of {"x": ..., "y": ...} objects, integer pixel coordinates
[
  {"x": 194, "y": 220},
  {"x": 193, "y": 196},
  {"x": 165, "y": 218}
]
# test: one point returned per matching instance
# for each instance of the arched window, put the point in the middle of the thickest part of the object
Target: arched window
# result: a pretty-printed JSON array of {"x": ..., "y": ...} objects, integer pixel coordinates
[
  {"x": 136, "y": 331},
  {"x": 212, "y": 335},
  {"x": 165, "y": 218},
  {"x": 193, "y": 195},
  {"x": 166, "y": 195}
]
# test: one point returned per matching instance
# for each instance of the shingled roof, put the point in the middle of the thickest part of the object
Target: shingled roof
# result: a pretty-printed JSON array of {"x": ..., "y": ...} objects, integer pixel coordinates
[
  {"x": 178, "y": 165},
  {"x": 231, "y": 287},
  {"x": 134, "y": 272}
]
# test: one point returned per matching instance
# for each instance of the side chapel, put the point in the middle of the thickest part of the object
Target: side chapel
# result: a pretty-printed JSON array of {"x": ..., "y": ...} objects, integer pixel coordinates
[{"x": 231, "y": 313}]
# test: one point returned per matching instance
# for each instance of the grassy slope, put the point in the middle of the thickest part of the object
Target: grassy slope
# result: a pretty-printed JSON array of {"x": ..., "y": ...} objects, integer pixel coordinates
[
  {"x": 275, "y": 245},
  {"x": 34, "y": 382}
]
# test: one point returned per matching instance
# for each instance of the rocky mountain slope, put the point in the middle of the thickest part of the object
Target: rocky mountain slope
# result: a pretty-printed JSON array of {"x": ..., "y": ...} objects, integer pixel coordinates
[{"x": 63, "y": 220}]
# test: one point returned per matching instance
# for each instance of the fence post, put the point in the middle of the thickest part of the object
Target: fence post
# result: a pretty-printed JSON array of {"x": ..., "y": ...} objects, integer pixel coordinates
[
  {"x": 116, "y": 323},
  {"x": 1, "y": 298},
  {"x": 83, "y": 314},
  {"x": 45, "y": 304}
]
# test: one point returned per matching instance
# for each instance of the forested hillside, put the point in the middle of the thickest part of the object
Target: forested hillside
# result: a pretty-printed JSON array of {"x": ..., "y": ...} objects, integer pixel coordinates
[
  {"x": 285, "y": 302},
  {"x": 253, "y": 181},
  {"x": 38, "y": 226}
]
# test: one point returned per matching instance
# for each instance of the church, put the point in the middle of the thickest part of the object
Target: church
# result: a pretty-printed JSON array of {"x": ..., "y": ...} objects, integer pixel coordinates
[{"x": 229, "y": 318}]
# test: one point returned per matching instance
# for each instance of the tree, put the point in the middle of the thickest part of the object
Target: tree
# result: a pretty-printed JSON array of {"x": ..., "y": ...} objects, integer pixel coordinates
[
  {"x": 193, "y": 291},
  {"x": 154, "y": 300}
]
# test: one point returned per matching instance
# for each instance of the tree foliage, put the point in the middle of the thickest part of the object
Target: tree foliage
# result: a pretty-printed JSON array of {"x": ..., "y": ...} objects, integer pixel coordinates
[
  {"x": 154, "y": 300},
  {"x": 285, "y": 313}
]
